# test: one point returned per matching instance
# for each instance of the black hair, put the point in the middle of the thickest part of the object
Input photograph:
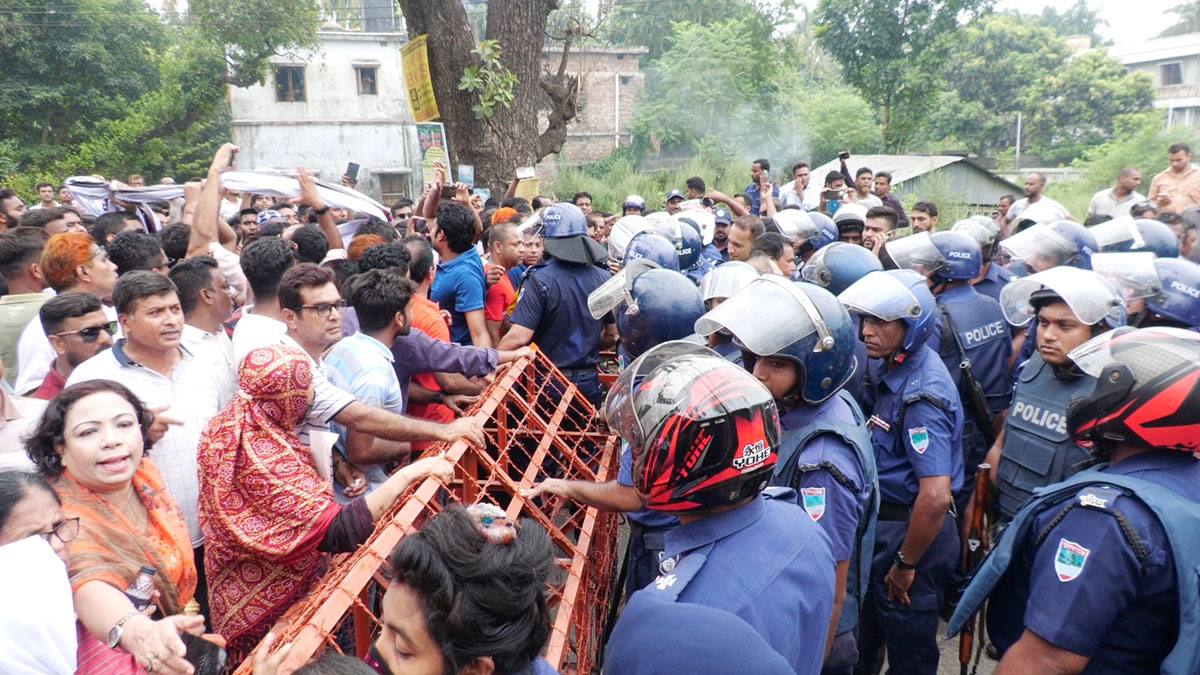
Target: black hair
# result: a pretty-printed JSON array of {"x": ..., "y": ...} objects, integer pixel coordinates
[
  {"x": 41, "y": 442},
  {"x": 422, "y": 258},
  {"x": 335, "y": 664},
  {"x": 298, "y": 278},
  {"x": 401, "y": 203},
  {"x": 1168, "y": 218},
  {"x": 137, "y": 285},
  {"x": 834, "y": 176},
  {"x": 478, "y": 598},
  {"x": 191, "y": 276},
  {"x": 1178, "y": 147},
  {"x": 541, "y": 201},
  {"x": 696, "y": 183},
  {"x": 311, "y": 243},
  {"x": 273, "y": 228},
  {"x": 861, "y": 171},
  {"x": 1096, "y": 219},
  {"x": 770, "y": 243},
  {"x": 1010, "y": 197},
  {"x": 887, "y": 213},
  {"x": 520, "y": 204},
  {"x": 41, "y": 185},
  {"x": 66, "y": 306},
  {"x": 392, "y": 255},
  {"x": 376, "y": 226},
  {"x": 799, "y": 165},
  {"x": 378, "y": 295},
  {"x": 885, "y": 174},
  {"x": 19, "y": 247},
  {"x": 924, "y": 207},
  {"x": 175, "y": 239},
  {"x": 764, "y": 164},
  {"x": 247, "y": 210},
  {"x": 14, "y": 487},
  {"x": 264, "y": 260},
  {"x": 40, "y": 218},
  {"x": 580, "y": 195},
  {"x": 133, "y": 250},
  {"x": 457, "y": 223},
  {"x": 342, "y": 270},
  {"x": 109, "y": 224}
]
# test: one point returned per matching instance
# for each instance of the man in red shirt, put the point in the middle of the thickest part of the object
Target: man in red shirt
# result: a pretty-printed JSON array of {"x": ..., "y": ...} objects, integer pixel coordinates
[
  {"x": 78, "y": 329},
  {"x": 505, "y": 250}
]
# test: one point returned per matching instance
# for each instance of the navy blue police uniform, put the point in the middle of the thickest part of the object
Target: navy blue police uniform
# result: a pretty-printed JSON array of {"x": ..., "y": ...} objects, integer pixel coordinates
[
  {"x": 993, "y": 281},
  {"x": 916, "y": 430},
  {"x": 647, "y": 534}
]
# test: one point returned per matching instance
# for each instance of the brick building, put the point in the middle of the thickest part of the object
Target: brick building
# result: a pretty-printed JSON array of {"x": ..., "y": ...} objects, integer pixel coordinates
[{"x": 610, "y": 82}]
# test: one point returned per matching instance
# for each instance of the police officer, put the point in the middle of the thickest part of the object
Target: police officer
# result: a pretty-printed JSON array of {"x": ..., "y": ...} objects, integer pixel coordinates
[
  {"x": 1034, "y": 449},
  {"x": 804, "y": 356},
  {"x": 970, "y": 335},
  {"x": 835, "y": 267},
  {"x": 916, "y": 427},
  {"x": 552, "y": 307},
  {"x": 702, "y": 434},
  {"x": 986, "y": 234},
  {"x": 1092, "y": 573},
  {"x": 718, "y": 285},
  {"x": 655, "y": 306},
  {"x": 1141, "y": 234}
]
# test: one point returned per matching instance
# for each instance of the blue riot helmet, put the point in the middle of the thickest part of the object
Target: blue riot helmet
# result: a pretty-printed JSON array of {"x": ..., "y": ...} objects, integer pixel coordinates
[
  {"x": 724, "y": 281},
  {"x": 1157, "y": 237},
  {"x": 940, "y": 257},
  {"x": 653, "y": 247},
  {"x": 807, "y": 325},
  {"x": 1093, "y": 299},
  {"x": 662, "y": 305},
  {"x": 1143, "y": 234},
  {"x": 1133, "y": 272},
  {"x": 827, "y": 231},
  {"x": 684, "y": 235},
  {"x": 563, "y": 228},
  {"x": 1043, "y": 246},
  {"x": 1179, "y": 302},
  {"x": 964, "y": 260},
  {"x": 836, "y": 266},
  {"x": 622, "y": 233},
  {"x": 895, "y": 295},
  {"x": 984, "y": 231}
]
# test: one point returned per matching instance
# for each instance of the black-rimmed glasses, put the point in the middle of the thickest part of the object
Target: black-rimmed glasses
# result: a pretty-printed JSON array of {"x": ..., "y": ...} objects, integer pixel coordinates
[{"x": 323, "y": 309}]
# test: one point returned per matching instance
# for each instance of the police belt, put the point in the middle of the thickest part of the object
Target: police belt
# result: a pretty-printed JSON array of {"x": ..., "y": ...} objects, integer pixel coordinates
[{"x": 896, "y": 512}]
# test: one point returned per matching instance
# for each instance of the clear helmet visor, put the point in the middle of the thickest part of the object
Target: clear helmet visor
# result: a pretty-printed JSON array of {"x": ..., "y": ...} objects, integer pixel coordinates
[
  {"x": 623, "y": 232},
  {"x": 916, "y": 252},
  {"x": 792, "y": 313},
  {"x": 881, "y": 295},
  {"x": 1116, "y": 232},
  {"x": 982, "y": 234},
  {"x": 1039, "y": 248},
  {"x": 620, "y": 407},
  {"x": 706, "y": 221},
  {"x": 725, "y": 280},
  {"x": 1089, "y": 295},
  {"x": 1094, "y": 355},
  {"x": 531, "y": 228},
  {"x": 610, "y": 294},
  {"x": 1133, "y": 273},
  {"x": 795, "y": 224}
]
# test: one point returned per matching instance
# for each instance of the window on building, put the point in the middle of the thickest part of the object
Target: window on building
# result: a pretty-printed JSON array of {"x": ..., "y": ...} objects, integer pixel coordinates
[
  {"x": 626, "y": 79},
  {"x": 367, "y": 82},
  {"x": 1171, "y": 73},
  {"x": 392, "y": 186},
  {"x": 289, "y": 83}
]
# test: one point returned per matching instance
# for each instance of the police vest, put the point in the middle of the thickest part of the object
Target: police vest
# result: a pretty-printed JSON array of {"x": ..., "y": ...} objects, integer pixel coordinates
[
  {"x": 790, "y": 464},
  {"x": 1093, "y": 489},
  {"x": 984, "y": 334},
  {"x": 1038, "y": 449}
]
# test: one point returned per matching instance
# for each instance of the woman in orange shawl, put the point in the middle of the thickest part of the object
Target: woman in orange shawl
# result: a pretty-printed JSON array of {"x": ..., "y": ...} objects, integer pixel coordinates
[
  {"x": 91, "y": 444},
  {"x": 269, "y": 518}
]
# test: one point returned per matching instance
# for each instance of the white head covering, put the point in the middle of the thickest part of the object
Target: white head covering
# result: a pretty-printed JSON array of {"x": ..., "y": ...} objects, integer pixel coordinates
[{"x": 37, "y": 627}]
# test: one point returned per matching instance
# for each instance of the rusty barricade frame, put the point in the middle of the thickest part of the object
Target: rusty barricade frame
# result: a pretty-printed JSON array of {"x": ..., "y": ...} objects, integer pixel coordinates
[{"x": 530, "y": 412}]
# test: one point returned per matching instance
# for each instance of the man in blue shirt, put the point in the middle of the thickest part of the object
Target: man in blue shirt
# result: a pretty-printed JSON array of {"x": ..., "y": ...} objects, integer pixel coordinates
[
  {"x": 460, "y": 284},
  {"x": 702, "y": 435},
  {"x": 760, "y": 172},
  {"x": 916, "y": 430}
]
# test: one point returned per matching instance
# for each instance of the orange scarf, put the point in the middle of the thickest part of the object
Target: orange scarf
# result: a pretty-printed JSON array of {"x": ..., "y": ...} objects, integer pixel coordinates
[
  {"x": 111, "y": 550},
  {"x": 263, "y": 506}
]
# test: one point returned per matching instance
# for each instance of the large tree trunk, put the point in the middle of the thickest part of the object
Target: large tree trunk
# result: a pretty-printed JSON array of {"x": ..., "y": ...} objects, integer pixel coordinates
[{"x": 509, "y": 138}]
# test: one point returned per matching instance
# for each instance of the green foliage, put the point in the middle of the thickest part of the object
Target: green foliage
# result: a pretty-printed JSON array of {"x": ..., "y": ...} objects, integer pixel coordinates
[
  {"x": 1076, "y": 105},
  {"x": 253, "y": 31},
  {"x": 1140, "y": 141},
  {"x": 1189, "y": 18},
  {"x": 491, "y": 81},
  {"x": 611, "y": 179},
  {"x": 890, "y": 51},
  {"x": 1078, "y": 19},
  {"x": 833, "y": 118},
  {"x": 650, "y": 24}
]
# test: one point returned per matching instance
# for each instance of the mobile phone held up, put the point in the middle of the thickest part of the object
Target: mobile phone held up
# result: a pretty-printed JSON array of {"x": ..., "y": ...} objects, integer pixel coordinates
[
  {"x": 352, "y": 172},
  {"x": 843, "y": 155}
]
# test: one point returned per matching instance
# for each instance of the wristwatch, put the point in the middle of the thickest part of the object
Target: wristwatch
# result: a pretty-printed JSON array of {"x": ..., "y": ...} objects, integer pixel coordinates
[
  {"x": 322, "y": 211},
  {"x": 902, "y": 563},
  {"x": 115, "y": 633}
]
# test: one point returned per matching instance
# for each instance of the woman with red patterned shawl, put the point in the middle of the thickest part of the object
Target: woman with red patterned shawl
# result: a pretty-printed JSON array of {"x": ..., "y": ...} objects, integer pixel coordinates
[{"x": 269, "y": 518}]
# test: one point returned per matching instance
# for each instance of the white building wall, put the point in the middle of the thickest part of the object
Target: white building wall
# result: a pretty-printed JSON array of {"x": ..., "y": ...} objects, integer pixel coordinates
[{"x": 335, "y": 125}]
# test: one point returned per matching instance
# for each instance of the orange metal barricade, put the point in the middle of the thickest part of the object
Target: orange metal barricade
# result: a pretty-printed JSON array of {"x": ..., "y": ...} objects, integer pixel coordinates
[{"x": 537, "y": 424}]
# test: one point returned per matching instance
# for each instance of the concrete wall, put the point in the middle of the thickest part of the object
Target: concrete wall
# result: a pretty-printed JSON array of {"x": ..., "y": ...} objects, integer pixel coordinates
[
  {"x": 335, "y": 125},
  {"x": 1182, "y": 101}
]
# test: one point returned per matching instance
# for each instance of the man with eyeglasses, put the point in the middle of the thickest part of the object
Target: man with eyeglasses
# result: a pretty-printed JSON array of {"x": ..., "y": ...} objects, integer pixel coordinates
[
  {"x": 78, "y": 329},
  {"x": 402, "y": 212}
]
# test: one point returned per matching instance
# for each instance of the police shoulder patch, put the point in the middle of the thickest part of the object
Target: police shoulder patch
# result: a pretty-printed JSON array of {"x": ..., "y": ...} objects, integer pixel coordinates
[
  {"x": 814, "y": 501},
  {"x": 1069, "y": 560},
  {"x": 918, "y": 437}
]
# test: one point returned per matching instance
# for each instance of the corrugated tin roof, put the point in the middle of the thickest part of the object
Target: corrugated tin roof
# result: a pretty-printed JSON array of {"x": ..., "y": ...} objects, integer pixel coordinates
[{"x": 902, "y": 167}]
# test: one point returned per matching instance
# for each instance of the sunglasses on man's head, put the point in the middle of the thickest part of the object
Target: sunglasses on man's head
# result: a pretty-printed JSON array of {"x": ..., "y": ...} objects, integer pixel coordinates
[{"x": 92, "y": 333}]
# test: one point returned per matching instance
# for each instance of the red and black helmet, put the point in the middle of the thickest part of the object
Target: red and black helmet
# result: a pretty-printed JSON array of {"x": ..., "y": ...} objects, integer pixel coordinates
[
  {"x": 1147, "y": 390},
  {"x": 702, "y": 431}
]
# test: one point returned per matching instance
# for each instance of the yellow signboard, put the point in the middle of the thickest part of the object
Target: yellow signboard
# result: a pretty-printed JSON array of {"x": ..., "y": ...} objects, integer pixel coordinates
[{"x": 415, "y": 62}]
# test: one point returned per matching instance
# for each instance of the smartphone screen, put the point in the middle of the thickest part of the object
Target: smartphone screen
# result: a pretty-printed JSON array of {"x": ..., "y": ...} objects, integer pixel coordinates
[{"x": 352, "y": 171}]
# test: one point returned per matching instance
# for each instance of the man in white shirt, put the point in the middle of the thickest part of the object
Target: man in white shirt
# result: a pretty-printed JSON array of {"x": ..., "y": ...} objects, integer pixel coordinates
[
  {"x": 71, "y": 261},
  {"x": 45, "y": 192},
  {"x": 1116, "y": 201},
  {"x": 1036, "y": 207},
  {"x": 800, "y": 191},
  {"x": 207, "y": 302}
]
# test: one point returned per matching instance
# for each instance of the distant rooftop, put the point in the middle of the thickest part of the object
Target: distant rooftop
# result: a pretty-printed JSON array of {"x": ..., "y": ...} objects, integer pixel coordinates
[{"x": 1156, "y": 49}]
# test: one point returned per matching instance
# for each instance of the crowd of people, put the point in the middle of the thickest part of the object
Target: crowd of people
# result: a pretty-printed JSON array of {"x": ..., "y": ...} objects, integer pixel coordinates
[{"x": 206, "y": 397}]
